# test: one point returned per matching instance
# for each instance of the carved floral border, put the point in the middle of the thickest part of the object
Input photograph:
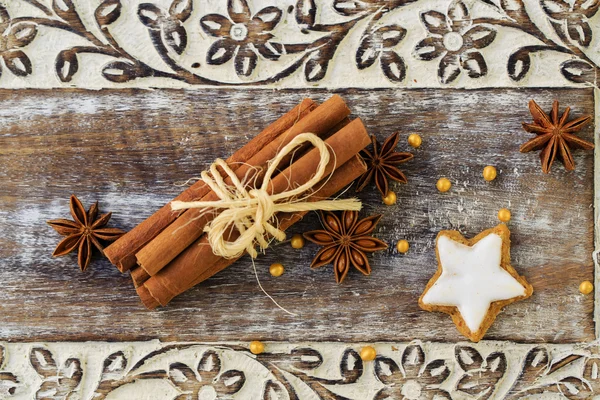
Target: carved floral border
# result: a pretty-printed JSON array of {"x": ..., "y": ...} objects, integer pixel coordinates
[
  {"x": 329, "y": 371},
  {"x": 291, "y": 43}
]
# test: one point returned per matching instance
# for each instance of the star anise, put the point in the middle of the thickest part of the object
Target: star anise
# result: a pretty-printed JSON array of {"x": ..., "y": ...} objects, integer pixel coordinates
[
  {"x": 84, "y": 230},
  {"x": 345, "y": 242},
  {"x": 382, "y": 164},
  {"x": 555, "y": 135}
]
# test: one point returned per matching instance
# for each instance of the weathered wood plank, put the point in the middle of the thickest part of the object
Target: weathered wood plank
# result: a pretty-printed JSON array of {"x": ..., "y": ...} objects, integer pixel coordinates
[{"x": 128, "y": 148}]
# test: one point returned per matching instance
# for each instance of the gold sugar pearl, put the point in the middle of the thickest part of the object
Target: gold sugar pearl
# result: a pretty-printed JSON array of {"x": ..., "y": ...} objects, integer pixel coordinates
[
  {"x": 368, "y": 353},
  {"x": 257, "y": 347},
  {"x": 489, "y": 173},
  {"x": 443, "y": 185},
  {"x": 504, "y": 214},
  {"x": 297, "y": 241},
  {"x": 586, "y": 287},
  {"x": 276, "y": 269},
  {"x": 402, "y": 246},
  {"x": 414, "y": 140},
  {"x": 390, "y": 198}
]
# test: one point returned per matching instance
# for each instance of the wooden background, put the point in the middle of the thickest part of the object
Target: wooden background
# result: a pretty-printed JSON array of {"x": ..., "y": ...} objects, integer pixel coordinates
[{"x": 128, "y": 148}]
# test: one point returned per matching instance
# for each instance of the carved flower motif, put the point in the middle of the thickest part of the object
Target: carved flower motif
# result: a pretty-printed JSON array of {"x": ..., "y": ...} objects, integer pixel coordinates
[
  {"x": 207, "y": 381},
  {"x": 379, "y": 44},
  {"x": 12, "y": 38},
  {"x": 574, "y": 16},
  {"x": 413, "y": 379},
  {"x": 243, "y": 35},
  {"x": 454, "y": 37},
  {"x": 481, "y": 376}
]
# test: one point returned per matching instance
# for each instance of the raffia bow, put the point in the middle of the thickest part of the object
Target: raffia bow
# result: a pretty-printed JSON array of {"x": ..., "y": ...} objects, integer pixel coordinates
[{"x": 252, "y": 211}]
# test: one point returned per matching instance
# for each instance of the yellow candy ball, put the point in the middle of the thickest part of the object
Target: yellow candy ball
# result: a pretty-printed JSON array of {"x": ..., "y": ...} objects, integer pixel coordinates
[
  {"x": 443, "y": 185},
  {"x": 276, "y": 269},
  {"x": 586, "y": 287},
  {"x": 297, "y": 241},
  {"x": 257, "y": 347},
  {"x": 390, "y": 198},
  {"x": 402, "y": 246},
  {"x": 414, "y": 140},
  {"x": 368, "y": 353},
  {"x": 504, "y": 215},
  {"x": 489, "y": 173}
]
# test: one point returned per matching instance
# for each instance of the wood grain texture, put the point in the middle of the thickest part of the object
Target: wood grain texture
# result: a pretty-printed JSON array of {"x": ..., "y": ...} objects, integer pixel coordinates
[{"x": 128, "y": 148}]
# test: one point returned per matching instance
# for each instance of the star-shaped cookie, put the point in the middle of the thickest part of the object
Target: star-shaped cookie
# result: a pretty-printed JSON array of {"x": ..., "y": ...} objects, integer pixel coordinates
[{"x": 474, "y": 280}]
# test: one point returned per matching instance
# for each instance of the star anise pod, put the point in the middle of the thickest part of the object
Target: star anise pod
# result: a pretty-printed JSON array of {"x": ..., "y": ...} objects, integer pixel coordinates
[
  {"x": 382, "y": 164},
  {"x": 83, "y": 231},
  {"x": 345, "y": 242},
  {"x": 555, "y": 135}
]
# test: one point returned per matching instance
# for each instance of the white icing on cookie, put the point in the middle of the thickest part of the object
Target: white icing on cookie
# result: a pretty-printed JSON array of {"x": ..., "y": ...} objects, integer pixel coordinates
[{"x": 472, "y": 278}]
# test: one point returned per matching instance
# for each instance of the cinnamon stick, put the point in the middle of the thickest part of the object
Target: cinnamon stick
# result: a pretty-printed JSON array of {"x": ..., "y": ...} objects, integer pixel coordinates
[
  {"x": 168, "y": 283},
  {"x": 187, "y": 228},
  {"x": 122, "y": 252},
  {"x": 139, "y": 275},
  {"x": 191, "y": 264}
]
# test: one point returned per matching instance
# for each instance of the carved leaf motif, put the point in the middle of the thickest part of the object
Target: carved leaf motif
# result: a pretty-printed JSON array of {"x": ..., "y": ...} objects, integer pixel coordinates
[
  {"x": 435, "y": 22},
  {"x": 480, "y": 36},
  {"x": 21, "y": 34},
  {"x": 220, "y": 52},
  {"x": 17, "y": 62},
  {"x": 519, "y": 64},
  {"x": 150, "y": 15},
  {"x": 393, "y": 66},
  {"x": 273, "y": 391},
  {"x": 315, "y": 69},
  {"x": 245, "y": 61},
  {"x": 230, "y": 382},
  {"x": 591, "y": 371},
  {"x": 556, "y": 9},
  {"x": 351, "y": 366},
  {"x": 536, "y": 362},
  {"x": 574, "y": 388},
  {"x": 66, "y": 65},
  {"x": 122, "y": 71},
  {"x": 108, "y": 12},
  {"x": 306, "y": 12},
  {"x": 64, "y": 9},
  {"x": 474, "y": 63},
  {"x": 515, "y": 9},
  {"x": 182, "y": 377},
  {"x": 4, "y": 19},
  {"x": 481, "y": 377},
  {"x": 578, "y": 71},
  {"x": 8, "y": 383},
  {"x": 449, "y": 68},
  {"x": 43, "y": 362},
  {"x": 181, "y": 9},
  {"x": 71, "y": 375},
  {"x": 413, "y": 358},
  {"x": 387, "y": 371},
  {"x": 175, "y": 36},
  {"x": 114, "y": 364},
  {"x": 429, "y": 48},
  {"x": 306, "y": 359},
  {"x": 209, "y": 365},
  {"x": 348, "y": 7}
]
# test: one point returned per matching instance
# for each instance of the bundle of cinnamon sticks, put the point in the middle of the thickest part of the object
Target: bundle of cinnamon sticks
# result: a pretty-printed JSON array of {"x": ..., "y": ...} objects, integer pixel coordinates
[{"x": 168, "y": 253}]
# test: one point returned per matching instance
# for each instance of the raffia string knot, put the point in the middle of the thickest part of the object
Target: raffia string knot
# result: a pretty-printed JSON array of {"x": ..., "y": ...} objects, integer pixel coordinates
[{"x": 252, "y": 211}]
